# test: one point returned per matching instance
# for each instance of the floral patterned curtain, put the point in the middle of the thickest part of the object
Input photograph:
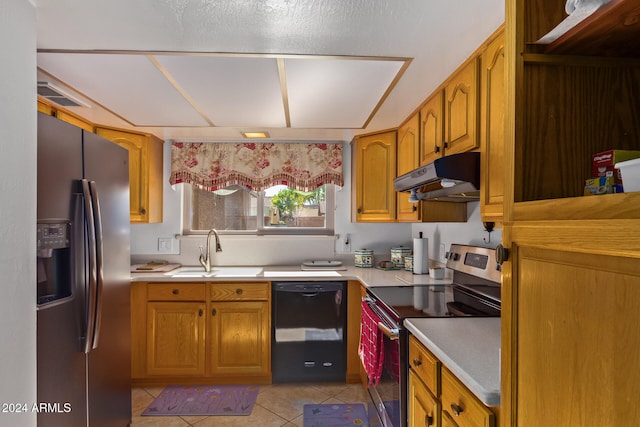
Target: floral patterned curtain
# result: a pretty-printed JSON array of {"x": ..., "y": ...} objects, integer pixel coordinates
[{"x": 212, "y": 166}]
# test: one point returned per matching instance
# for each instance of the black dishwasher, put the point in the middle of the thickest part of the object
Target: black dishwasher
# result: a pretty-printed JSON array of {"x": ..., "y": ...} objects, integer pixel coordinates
[{"x": 308, "y": 340}]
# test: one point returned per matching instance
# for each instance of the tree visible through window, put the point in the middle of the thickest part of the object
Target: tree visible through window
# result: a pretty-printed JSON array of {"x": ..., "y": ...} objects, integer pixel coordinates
[{"x": 274, "y": 210}]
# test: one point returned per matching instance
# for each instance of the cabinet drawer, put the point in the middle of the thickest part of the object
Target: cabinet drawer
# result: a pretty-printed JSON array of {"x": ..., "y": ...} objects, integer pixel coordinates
[
  {"x": 461, "y": 405},
  {"x": 176, "y": 292},
  {"x": 240, "y": 291},
  {"x": 425, "y": 365}
]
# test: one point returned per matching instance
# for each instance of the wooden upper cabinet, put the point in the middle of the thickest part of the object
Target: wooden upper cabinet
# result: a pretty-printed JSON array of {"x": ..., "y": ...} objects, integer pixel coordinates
[
  {"x": 82, "y": 124},
  {"x": 492, "y": 97},
  {"x": 449, "y": 117},
  {"x": 375, "y": 170},
  {"x": 145, "y": 172},
  {"x": 408, "y": 157},
  {"x": 461, "y": 110},
  {"x": 432, "y": 128}
]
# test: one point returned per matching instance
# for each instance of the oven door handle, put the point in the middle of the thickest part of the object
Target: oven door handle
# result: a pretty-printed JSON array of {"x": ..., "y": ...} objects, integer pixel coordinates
[{"x": 392, "y": 334}]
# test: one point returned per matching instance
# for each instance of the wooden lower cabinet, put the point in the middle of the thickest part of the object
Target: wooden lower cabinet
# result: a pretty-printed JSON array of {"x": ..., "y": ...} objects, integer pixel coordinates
[
  {"x": 201, "y": 332},
  {"x": 575, "y": 316},
  {"x": 424, "y": 408},
  {"x": 461, "y": 405},
  {"x": 239, "y": 338},
  {"x": 175, "y": 338},
  {"x": 437, "y": 398}
]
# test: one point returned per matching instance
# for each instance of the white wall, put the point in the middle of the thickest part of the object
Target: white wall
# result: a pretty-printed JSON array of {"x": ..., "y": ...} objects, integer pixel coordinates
[
  {"x": 471, "y": 232},
  {"x": 18, "y": 208},
  {"x": 272, "y": 250}
]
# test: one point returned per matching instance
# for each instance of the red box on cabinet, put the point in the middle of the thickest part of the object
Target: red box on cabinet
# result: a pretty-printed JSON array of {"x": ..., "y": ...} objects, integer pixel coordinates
[{"x": 603, "y": 163}]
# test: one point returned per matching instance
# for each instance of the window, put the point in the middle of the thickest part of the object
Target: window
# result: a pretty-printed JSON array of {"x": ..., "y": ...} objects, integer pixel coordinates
[{"x": 276, "y": 210}]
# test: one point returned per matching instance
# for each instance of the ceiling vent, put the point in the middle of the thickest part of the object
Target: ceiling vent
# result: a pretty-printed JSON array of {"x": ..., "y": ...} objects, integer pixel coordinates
[{"x": 55, "y": 94}]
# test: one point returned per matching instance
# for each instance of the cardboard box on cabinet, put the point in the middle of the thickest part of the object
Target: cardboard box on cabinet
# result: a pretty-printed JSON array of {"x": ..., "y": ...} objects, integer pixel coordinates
[{"x": 603, "y": 163}]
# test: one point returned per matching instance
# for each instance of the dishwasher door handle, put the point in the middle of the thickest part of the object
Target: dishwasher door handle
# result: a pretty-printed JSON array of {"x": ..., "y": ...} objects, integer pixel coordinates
[{"x": 310, "y": 294}]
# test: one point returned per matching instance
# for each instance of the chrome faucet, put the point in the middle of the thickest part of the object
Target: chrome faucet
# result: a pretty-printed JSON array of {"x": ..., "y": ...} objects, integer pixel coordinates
[{"x": 205, "y": 258}]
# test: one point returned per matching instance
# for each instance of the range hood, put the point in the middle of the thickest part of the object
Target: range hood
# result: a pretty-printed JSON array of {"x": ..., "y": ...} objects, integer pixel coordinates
[{"x": 454, "y": 178}]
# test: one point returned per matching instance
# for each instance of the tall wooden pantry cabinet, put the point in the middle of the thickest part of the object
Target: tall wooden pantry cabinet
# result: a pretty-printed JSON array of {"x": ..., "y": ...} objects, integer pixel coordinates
[{"x": 571, "y": 282}]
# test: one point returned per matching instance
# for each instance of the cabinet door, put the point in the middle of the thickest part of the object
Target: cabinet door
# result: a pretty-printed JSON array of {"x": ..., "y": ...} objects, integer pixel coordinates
[
  {"x": 575, "y": 361},
  {"x": 447, "y": 421},
  {"x": 175, "y": 338},
  {"x": 432, "y": 128},
  {"x": 492, "y": 87},
  {"x": 145, "y": 173},
  {"x": 240, "y": 338},
  {"x": 375, "y": 159},
  {"x": 462, "y": 405},
  {"x": 408, "y": 159},
  {"x": 461, "y": 110},
  {"x": 424, "y": 409}
]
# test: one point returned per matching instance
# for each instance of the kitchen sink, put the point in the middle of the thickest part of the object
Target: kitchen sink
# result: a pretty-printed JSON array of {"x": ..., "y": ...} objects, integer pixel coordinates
[{"x": 198, "y": 271}]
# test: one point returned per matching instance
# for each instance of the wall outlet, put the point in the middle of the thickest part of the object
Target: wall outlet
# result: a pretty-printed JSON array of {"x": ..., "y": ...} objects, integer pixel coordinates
[
  {"x": 346, "y": 243},
  {"x": 165, "y": 244},
  {"x": 443, "y": 252}
]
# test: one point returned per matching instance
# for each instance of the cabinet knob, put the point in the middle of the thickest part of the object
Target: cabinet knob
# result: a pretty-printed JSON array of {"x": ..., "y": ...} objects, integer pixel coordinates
[
  {"x": 417, "y": 362},
  {"x": 143, "y": 211},
  {"x": 239, "y": 291},
  {"x": 502, "y": 254},
  {"x": 359, "y": 210},
  {"x": 414, "y": 208},
  {"x": 428, "y": 420},
  {"x": 457, "y": 409},
  {"x": 175, "y": 291},
  {"x": 200, "y": 312},
  {"x": 436, "y": 148},
  {"x": 214, "y": 312}
]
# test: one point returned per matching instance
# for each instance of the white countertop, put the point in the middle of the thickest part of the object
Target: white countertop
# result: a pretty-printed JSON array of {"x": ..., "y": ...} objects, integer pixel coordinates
[
  {"x": 469, "y": 347},
  {"x": 370, "y": 277}
]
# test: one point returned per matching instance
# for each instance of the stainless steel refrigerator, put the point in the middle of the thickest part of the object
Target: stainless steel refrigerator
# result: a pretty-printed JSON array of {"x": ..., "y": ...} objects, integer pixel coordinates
[{"x": 83, "y": 310}]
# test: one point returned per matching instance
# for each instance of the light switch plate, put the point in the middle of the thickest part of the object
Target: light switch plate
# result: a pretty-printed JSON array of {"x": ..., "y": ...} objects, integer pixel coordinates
[{"x": 165, "y": 244}]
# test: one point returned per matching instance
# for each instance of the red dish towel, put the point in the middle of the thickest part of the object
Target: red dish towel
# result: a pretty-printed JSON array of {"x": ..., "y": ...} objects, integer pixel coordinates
[{"x": 371, "y": 348}]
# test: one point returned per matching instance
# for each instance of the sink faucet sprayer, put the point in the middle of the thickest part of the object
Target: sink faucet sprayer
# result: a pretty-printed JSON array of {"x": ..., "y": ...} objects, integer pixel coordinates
[{"x": 205, "y": 259}]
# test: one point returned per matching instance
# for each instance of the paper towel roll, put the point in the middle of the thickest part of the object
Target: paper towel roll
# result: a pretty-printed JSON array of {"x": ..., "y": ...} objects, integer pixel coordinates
[
  {"x": 418, "y": 298},
  {"x": 420, "y": 256}
]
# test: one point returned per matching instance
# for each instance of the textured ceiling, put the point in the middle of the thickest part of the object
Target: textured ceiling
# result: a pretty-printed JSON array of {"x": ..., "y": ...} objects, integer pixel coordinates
[{"x": 209, "y": 69}]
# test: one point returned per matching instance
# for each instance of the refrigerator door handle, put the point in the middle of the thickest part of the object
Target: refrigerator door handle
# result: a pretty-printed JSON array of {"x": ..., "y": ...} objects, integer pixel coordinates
[
  {"x": 90, "y": 299},
  {"x": 100, "y": 261}
]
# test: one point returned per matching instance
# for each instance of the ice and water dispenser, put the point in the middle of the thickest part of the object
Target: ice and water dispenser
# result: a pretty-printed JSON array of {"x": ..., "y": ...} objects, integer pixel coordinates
[{"x": 54, "y": 261}]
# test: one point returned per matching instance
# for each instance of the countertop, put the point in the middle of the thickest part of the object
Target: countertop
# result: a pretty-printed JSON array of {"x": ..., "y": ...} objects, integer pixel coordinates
[
  {"x": 370, "y": 277},
  {"x": 468, "y": 347}
]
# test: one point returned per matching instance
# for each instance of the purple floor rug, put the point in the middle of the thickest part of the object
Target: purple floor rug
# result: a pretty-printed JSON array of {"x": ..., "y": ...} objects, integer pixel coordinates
[
  {"x": 335, "y": 415},
  {"x": 204, "y": 400}
]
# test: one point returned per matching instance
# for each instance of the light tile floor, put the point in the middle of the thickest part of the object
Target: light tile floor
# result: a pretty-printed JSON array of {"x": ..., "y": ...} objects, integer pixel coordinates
[{"x": 277, "y": 405}]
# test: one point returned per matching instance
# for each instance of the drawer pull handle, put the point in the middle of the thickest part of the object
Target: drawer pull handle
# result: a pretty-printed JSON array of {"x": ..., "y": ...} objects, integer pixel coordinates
[
  {"x": 428, "y": 420},
  {"x": 239, "y": 291},
  {"x": 175, "y": 291},
  {"x": 457, "y": 409},
  {"x": 417, "y": 362}
]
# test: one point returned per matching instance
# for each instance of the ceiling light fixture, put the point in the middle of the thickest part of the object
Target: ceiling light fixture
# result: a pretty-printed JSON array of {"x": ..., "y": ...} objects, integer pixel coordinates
[{"x": 255, "y": 134}]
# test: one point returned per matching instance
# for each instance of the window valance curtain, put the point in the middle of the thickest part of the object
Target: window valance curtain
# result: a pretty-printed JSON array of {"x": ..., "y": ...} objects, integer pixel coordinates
[{"x": 212, "y": 166}]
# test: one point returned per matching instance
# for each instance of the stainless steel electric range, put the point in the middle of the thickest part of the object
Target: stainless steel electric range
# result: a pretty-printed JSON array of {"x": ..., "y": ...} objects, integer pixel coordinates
[{"x": 474, "y": 291}]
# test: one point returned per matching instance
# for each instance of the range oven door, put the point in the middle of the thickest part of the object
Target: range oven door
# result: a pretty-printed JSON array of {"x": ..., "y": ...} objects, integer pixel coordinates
[
  {"x": 386, "y": 401},
  {"x": 384, "y": 408}
]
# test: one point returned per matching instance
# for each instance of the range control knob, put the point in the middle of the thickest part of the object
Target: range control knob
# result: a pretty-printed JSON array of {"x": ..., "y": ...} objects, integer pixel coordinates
[{"x": 502, "y": 254}]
